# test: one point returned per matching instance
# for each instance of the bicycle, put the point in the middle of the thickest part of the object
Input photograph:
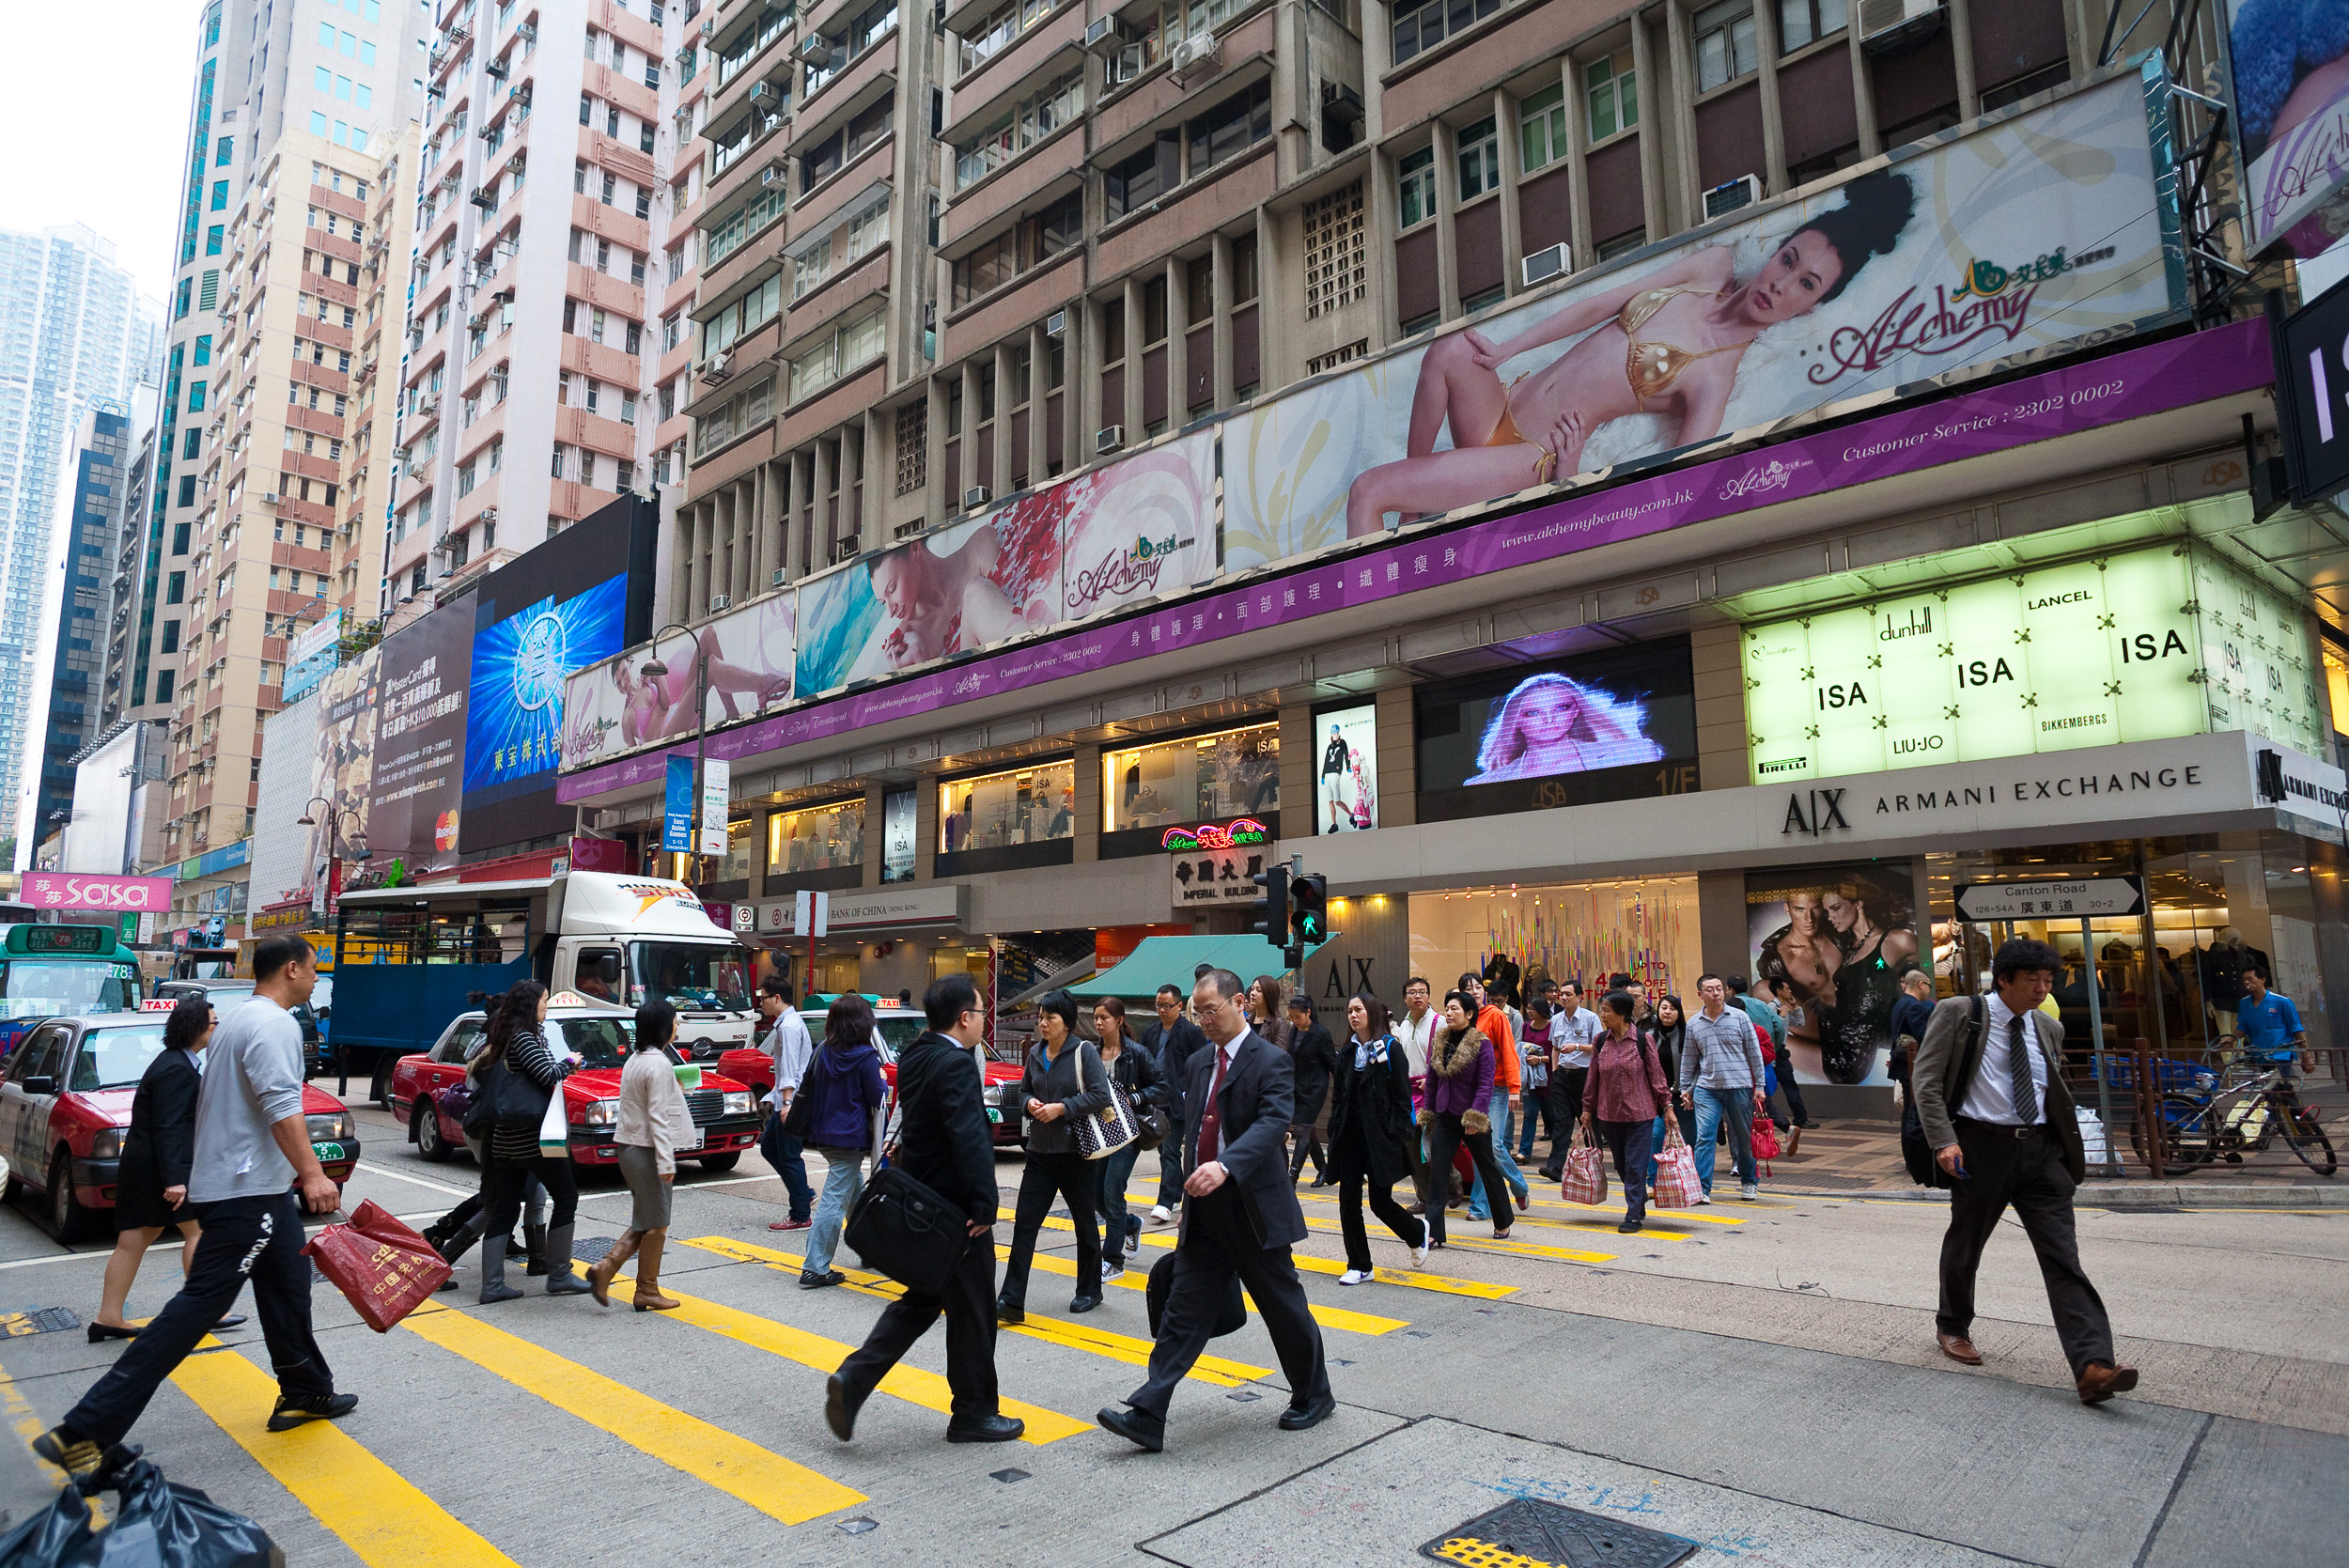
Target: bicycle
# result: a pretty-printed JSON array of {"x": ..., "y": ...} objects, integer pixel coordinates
[{"x": 2239, "y": 1116}]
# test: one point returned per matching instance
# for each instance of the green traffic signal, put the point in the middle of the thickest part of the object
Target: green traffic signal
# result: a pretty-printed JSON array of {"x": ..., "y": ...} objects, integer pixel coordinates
[{"x": 1309, "y": 908}]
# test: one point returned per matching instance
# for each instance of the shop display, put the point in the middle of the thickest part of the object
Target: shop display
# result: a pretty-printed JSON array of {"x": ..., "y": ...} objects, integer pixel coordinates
[{"x": 1841, "y": 936}]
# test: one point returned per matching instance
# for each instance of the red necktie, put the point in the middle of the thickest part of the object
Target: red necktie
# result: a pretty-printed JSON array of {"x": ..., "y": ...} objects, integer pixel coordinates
[{"x": 1211, "y": 1119}]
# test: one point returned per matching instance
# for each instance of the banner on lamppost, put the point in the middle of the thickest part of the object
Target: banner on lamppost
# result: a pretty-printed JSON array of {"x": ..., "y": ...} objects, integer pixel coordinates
[
  {"x": 676, "y": 810},
  {"x": 717, "y": 780}
]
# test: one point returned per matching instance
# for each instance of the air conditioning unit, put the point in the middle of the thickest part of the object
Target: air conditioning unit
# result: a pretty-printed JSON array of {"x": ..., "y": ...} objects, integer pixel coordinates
[
  {"x": 527, "y": 32},
  {"x": 976, "y": 497},
  {"x": 488, "y": 514},
  {"x": 1196, "y": 56},
  {"x": 843, "y": 550},
  {"x": 715, "y": 371},
  {"x": 720, "y": 601},
  {"x": 1109, "y": 437},
  {"x": 814, "y": 49},
  {"x": 1541, "y": 266},
  {"x": 498, "y": 68},
  {"x": 460, "y": 33},
  {"x": 1895, "y": 26},
  {"x": 766, "y": 93},
  {"x": 776, "y": 579},
  {"x": 773, "y": 173},
  {"x": 1105, "y": 37},
  {"x": 768, "y": 124},
  {"x": 1731, "y": 194},
  {"x": 1056, "y": 324},
  {"x": 267, "y": 498},
  {"x": 709, "y": 29}
]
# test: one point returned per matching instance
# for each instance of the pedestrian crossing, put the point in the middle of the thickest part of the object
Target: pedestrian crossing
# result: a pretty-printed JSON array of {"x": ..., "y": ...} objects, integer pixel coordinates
[{"x": 1137, "y": 1278}]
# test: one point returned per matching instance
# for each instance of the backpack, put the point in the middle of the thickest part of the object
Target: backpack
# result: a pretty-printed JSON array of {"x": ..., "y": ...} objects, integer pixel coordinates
[{"x": 1916, "y": 1150}]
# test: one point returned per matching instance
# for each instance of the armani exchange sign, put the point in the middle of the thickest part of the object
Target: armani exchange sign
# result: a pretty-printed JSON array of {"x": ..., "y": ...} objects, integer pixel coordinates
[{"x": 1813, "y": 811}]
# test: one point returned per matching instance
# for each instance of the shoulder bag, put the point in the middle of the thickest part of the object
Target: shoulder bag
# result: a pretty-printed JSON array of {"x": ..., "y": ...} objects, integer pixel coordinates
[
  {"x": 1915, "y": 1149},
  {"x": 514, "y": 1100},
  {"x": 900, "y": 1226},
  {"x": 1112, "y": 1128}
]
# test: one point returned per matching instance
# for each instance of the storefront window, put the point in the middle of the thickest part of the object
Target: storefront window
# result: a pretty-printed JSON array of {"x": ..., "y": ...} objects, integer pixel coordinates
[
  {"x": 741, "y": 851},
  {"x": 820, "y": 838},
  {"x": 1202, "y": 777},
  {"x": 1644, "y": 928},
  {"x": 1028, "y": 805}
]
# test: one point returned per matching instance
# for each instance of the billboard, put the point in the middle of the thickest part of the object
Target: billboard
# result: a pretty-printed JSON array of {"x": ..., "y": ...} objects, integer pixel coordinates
[
  {"x": 1345, "y": 781},
  {"x": 312, "y": 653},
  {"x": 57, "y": 889},
  {"x": 646, "y": 697},
  {"x": 413, "y": 798},
  {"x": 2037, "y": 229},
  {"x": 342, "y": 765},
  {"x": 1841, "y": 936},
  {"x": 2291, "y": 60}
]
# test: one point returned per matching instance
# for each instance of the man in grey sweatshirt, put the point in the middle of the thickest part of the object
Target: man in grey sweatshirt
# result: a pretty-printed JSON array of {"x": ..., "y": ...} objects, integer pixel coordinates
[{"x": 253, "y": 1174}]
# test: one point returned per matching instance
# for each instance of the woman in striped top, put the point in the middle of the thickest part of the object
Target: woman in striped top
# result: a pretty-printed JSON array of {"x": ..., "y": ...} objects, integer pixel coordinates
[{"x": 518, "y": 1047}]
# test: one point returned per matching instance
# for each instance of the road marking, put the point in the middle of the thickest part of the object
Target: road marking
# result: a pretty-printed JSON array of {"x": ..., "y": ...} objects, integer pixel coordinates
[
  {"x": 378, "y": 1515},
  {"x": 777, "y": 1487},
  {"x": 415, "y": 1181},
  {"x": 1443, "y": 1284},
  {"x": 1217, "y": 1369},
  {"x": 1328, "y": 1317},
  {"x": 915, "y": 1386},
  {"x": 1578, "y": 1217}
]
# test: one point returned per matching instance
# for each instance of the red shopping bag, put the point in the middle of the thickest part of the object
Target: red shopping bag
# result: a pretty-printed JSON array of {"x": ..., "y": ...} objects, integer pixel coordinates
[
  {"x": 1586, "y": 1177},
  {"x": 1676, "y": 1186},
  {"x": 1765, "y": 1136},
  {"x": 384, "y": 1269}
]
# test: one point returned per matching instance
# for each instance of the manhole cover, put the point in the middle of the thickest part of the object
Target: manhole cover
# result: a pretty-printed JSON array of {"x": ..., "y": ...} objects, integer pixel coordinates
[
  {"x": 591, "y": 1248},
  {"x": 1529, "y": 1533},
  {"x": 37, "y": 1320}
]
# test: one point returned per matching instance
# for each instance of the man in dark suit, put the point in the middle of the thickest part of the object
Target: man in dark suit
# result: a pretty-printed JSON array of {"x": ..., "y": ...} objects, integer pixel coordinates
[
  {"x": 1173, "y": 1040},
  {"x": 1992, "y": 1100},
  {"x": 1241, "y": 1220},
  {"x": 943, "y": 1142}
]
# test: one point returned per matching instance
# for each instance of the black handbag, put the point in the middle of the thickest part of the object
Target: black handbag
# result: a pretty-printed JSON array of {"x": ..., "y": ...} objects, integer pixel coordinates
[
  {"x": 904, "y": 1229},
  {"x": 514, "y": 1100},
  {"x": 1916, "y": 1151}
]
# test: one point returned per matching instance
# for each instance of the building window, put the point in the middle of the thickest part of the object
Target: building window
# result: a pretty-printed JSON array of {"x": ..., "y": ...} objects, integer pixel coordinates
[
  {"x": 1335, "y": 272},
  {"x": 1541, "y": 129},
  {"x": 1232, "y": 126},
  {"x": 1206, "y": 778},
  {"x": 1029, "y": 122},
  {"x": 1415, "y": 186},
  {"x": 821, "y": 838},
  {"x": 1612, "y": 89},
  {"x": 914, "y": 445},
  {"x": 1725, "y": 43},
  {"x": 1478, "y": 159},
  {"x": 1424, "y": 28},
  {"x": 1135, "y": 182},
  {"x": 1029, "y": 806},
  {"x": 1802, "y": 21}
]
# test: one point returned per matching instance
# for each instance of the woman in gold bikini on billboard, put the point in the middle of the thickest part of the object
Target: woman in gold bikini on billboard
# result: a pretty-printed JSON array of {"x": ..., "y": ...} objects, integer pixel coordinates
[{"x": 1668, "y": 344}]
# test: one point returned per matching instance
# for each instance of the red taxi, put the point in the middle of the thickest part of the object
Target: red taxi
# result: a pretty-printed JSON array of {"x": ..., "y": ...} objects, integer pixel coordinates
[
  {"x": 429, "y": 1094},
  {"x": 899, "y": 1026},
  {"x": 65, "y": 1104}
]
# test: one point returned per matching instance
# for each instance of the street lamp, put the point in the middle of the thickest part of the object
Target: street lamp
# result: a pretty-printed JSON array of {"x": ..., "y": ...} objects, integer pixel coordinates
[
  {"x": 655, "y": 670},
  {"x": 336, "y": 819}
]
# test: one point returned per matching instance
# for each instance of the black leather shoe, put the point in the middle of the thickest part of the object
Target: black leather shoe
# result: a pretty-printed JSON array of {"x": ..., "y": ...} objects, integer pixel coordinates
[
  {"x": 1007, "y": 1311},
  {"x": 234, "y": 1320},
  {"x": 100, "y": 1333},
  {"x": 1297, "y": 1417},
  {"x": 1083, "y": 1303},
  {"x": 983, "y": 1429},
  {"x": 839, "y": 1409},
  {"x": 292, "y": 1412},
  {"x": 1139, "y": 1427}
]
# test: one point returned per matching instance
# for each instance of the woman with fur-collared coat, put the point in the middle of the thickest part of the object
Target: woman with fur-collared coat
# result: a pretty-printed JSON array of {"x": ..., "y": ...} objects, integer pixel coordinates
[
  {"x": 1371, "y": 1135},
  {"x": 1460, "y": 1069}
]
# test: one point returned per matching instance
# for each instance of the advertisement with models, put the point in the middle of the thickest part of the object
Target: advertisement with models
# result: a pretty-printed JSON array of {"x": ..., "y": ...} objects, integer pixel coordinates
[
  {"x": 342, "y": 768},
  {"x": 1841, "y": 936},
  {"x": 646, "y": 697},
  {"x": 2291, "y": 63},
  {"x": 2041, "y": 229}
]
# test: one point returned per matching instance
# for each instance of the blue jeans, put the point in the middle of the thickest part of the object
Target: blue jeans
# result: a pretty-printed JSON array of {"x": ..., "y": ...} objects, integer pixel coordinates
[
  {"x": 1117, "y": 1172},
  {"x": 1734, "y": 1107},
  {"x": 783, "y": 1152},
  {"x": 844, "y": 1181},
  {"x": 1687, "y": 1120},
  {"x": 1501, "y": 1120}
]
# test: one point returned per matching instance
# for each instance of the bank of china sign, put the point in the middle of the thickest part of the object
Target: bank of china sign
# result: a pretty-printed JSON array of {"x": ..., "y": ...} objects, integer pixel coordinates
[{"x": 2145, "y": 645}]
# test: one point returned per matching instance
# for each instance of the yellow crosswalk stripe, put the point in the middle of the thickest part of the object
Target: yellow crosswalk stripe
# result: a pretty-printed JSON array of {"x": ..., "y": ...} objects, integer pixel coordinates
[
  {"x": 1217, "y": 1369},
  {"x": 1443, "y": 1284},
  {"x": 1574, "y": 1218},
  {"x": 383, "y": 1518},
  {"x": 777, "y": 1487},
  {"x": 910, "y": 1384},
  {"x": 1137, "y": 1278}
]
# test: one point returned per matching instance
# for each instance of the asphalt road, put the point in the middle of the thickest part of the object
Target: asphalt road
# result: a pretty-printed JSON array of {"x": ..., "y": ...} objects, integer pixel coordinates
[{"x": 1757, "y": 1382}]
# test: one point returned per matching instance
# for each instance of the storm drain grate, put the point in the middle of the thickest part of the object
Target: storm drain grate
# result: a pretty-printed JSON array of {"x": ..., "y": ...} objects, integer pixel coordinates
[
  {"x": 1529, "y": 1533},
  {"x": 37, "y": 1320},
  {"x": 591, "y": 1248}
]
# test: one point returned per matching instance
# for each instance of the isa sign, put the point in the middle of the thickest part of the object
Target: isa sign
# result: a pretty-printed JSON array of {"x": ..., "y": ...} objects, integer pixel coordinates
[
  {"x": 676, "y": 807},
  {"x": 61, "y": 890}
]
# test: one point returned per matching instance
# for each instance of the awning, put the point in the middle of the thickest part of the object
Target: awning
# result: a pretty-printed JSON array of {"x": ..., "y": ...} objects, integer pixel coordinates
[{"x": 1171, "y": 961}]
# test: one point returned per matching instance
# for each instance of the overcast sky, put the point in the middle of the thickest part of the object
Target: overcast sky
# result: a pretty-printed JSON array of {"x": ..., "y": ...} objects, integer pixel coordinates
[{"x": 97, "y": 117}]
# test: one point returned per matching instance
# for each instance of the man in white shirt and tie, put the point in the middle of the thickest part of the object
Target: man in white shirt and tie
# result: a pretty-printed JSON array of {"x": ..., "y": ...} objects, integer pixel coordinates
[
  {"x": 1995, "y": 1108},
  {"x": 1572, "y": 1028}
]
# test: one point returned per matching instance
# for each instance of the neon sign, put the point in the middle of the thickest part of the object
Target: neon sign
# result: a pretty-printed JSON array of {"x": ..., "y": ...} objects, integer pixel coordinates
[{"x": 1244, "y": 832}]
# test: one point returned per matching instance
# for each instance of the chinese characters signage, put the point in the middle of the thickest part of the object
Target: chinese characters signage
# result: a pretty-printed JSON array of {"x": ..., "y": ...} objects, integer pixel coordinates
[{"x": 1210, "y": 877}]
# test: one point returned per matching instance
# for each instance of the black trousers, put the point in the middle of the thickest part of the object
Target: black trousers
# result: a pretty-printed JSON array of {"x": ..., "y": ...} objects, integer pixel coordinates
[
  {"x": 1409, "y": 1228},
  {"x": 2028, "y": 1173},
  {"x": 1072, "y": 1178},
  {"x": 1785, "y": 1065},
  {"x": 507, "y": 1182},
  {"x": 1306, "y": 1139},
  {"x": 968, "y": 1303},
  {"x": 1218, "y": 1244},
  {"x": 1444, "y": 1140},
  {"x": 1566, "y": 1110},
  {"x": 1170, "y": 1172},
  {"x": 1632, "y": 1143},
  {"x": 255, "y": 1238}
]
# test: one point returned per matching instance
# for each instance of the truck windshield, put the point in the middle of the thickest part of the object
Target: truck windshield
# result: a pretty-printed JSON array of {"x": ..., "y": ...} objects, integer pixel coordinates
[
  {"x": 691, "y": 976},
  {"x": 36, "y": 985}
]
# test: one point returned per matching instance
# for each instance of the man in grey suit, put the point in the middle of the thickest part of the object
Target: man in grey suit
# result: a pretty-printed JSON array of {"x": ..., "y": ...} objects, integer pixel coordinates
[
  {"x": 1990, "y": 1093},
  {"x": 1240, "y": 1218}
]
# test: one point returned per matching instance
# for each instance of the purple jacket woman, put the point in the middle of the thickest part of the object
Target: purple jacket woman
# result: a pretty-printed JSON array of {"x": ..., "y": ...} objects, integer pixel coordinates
[{"x": 1461, "y": 1064}]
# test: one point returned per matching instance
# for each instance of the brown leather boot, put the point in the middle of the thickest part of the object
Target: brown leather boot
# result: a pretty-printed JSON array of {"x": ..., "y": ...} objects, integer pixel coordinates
[
  {"x": 601, "y": 1274},
  {"x": 649, "y": 1297}
]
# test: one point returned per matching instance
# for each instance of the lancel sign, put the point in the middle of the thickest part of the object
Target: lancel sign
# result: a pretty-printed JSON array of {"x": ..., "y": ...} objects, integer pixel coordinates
[{"x": 2095, "y": 653}]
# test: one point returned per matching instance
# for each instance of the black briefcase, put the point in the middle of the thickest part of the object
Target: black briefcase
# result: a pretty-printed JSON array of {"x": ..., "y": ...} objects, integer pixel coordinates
[{"x": 907, "y": 1231}]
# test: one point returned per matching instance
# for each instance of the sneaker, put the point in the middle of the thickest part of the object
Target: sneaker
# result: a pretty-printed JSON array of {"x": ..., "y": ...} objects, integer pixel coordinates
[
  {"x": 1751, "y": 1193},
  {"x": 1111, "y": 1268},
  {"x": 1705, "y": 1197},
  {"x": 1133, "y": 1245},
  {"x": 788, "y": 1224},
  {"x": 292, "y": 1411},
  {"x": 810, "y": 1279},
  {"x": 1419, "y": 1256},
  {"x": 77, "y": 1456},
  {"x": 1355, "y": 1277},
  {"x": 1159, "y": 1215}
]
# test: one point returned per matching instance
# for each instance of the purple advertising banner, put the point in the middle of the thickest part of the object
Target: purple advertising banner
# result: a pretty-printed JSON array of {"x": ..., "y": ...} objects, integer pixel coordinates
[{"x": 2131, "y": 384}]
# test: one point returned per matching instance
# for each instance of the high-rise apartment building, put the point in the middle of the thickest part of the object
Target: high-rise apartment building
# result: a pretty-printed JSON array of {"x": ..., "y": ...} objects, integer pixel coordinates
[
  {"x": 383, "y": 276},
  {"x": 126, "y": 567},
  {"x": 552, "y": 256},
  {"x": 72, "y": 332},
  {"x": 299, "y": 108}
]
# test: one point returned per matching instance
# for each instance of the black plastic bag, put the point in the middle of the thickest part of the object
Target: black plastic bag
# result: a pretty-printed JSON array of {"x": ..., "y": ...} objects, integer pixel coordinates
[{"x": 158, "y": 1525}]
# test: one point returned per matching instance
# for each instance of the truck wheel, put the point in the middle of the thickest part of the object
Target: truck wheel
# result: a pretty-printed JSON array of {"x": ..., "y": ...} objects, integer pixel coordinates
[
  {"x": 381, "y": 1088},
  {"x": 430, "y": 1143},
  {"x": 722, "y": 1162},
  {"x": 68, "y": 1220}
]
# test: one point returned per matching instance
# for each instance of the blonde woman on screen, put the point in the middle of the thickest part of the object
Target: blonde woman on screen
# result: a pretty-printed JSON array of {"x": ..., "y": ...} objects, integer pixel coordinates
[{"x": 1552, "y": 725}]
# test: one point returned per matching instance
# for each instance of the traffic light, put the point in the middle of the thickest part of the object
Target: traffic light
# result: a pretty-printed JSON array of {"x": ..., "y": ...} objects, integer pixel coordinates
[
  {"x": 1309, "y": 909},
  {"x": 1273, "y": 910}
]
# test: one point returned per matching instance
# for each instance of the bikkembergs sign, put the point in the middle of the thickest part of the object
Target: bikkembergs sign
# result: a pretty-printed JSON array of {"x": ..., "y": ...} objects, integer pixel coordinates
[{"x": 2139, "y": 646}]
